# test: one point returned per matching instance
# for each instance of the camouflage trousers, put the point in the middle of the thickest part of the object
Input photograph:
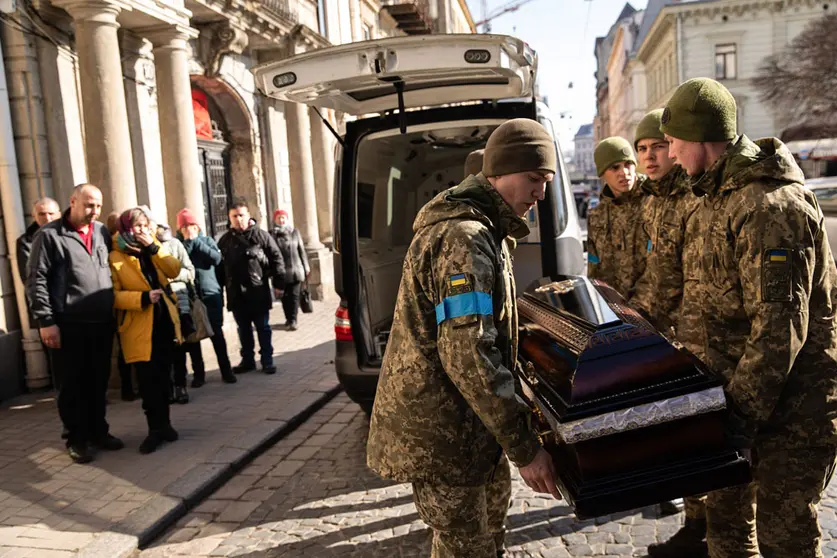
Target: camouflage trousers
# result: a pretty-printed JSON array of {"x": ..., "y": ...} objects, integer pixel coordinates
[
  {"x": 777, "y": 512},
  {"x": 467, "y": 521}
]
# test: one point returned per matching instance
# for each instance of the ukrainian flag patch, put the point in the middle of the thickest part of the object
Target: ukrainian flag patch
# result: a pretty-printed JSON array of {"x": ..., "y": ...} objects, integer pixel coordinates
[
  {"x": 459, "y": 283},
  {"x": 778, "y": 255}
]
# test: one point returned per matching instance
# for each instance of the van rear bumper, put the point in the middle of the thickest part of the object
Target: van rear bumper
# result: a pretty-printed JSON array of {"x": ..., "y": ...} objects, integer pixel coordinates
[{"x": 359, "y": 383}]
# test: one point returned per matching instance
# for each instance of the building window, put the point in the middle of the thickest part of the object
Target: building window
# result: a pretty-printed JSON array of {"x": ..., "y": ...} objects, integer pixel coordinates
[
  {"x": 725, "y": 61},
  {"x": 367, "y": 32}
]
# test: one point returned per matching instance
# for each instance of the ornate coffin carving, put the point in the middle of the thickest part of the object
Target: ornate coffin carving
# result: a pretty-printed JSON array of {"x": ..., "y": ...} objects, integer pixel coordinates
[{"x": 630, "y": 418}]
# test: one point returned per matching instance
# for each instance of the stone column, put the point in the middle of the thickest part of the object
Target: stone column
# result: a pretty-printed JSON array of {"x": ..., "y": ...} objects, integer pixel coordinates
[
  {"x": 177, "y": 121},
  {"x": 322, "y": 149},
  {"x": 304, "y": 199},
  {"x": 303, "y": 192},
  {"x": 107, "y": 139},
  {"x": 28, "y": 119},
  {"x": 11, "y": 286}
]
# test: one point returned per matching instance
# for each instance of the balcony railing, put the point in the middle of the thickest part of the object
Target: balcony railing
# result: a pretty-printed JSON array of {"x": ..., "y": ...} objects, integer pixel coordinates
[
  {"x": 281, "y": 9},
  {"x": 413, "y": 17}
]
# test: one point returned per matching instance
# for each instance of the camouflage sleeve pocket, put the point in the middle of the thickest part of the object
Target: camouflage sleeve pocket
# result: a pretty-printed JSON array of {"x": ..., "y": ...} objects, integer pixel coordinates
[{"x": 776, "y": 275}]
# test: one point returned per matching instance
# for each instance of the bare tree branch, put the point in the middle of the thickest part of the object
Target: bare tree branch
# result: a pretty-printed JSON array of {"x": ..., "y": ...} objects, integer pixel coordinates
[{"x": 802, "y": 80}]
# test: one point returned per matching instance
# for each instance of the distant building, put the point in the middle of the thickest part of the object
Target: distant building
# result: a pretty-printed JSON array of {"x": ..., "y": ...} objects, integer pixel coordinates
[
  {"x": 726, "y": 40},
  {"x": 584, "y": 145}
]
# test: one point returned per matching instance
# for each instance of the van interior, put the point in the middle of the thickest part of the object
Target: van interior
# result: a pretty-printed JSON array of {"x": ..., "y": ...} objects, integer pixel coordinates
[{"x": 397, "y": 174}]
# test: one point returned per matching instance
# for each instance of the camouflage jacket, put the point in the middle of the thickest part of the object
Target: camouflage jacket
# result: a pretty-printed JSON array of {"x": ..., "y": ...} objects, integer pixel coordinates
[
  {"x": 768, "y": 290},
  {"x": 659, "y": 290},
  {"x": 614, "y": 254},
  {"x": 688, "y": 326},
  {"x": 446, "y": 404}
]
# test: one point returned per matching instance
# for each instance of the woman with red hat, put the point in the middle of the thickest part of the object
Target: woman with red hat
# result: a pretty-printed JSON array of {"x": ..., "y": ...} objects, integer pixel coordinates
[
  {"x": 206, "y": 257},
  {"x": 297, "y": 269}
]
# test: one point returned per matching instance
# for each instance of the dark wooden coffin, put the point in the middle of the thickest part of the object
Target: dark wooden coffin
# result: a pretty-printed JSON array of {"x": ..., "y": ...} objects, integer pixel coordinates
[{"x": 630, "y": 418}]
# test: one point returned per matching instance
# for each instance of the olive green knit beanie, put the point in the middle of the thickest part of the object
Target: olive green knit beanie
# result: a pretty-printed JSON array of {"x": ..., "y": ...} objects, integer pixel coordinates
[
  {"x": 519, "y": 145},
  {"x": 473, "y": 162},
  {"x": 610, "y": 151},
  {"x": 701, "y": 109},
  {"x": 649, "y": 127}
]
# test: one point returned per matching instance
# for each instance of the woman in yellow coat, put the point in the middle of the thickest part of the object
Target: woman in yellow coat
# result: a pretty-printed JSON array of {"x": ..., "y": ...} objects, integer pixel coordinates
[{"x": 147, "y": 316}]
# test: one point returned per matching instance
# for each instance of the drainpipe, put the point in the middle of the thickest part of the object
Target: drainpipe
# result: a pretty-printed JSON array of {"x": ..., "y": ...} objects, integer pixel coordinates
[
  {"x": 680, "y": 71},
  {"x": 37, "y": 372}
]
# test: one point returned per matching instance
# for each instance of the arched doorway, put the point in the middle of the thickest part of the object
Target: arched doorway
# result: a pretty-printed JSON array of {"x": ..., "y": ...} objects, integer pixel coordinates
[{"x": 227, "y": 152}]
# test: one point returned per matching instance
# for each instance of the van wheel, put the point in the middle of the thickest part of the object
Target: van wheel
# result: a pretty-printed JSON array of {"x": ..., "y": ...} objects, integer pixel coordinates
[{"x": 366, "y": 407}]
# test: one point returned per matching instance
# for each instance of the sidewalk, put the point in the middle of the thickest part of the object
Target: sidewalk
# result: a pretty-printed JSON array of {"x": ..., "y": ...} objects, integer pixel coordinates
[{"x": 53, "y": 508}]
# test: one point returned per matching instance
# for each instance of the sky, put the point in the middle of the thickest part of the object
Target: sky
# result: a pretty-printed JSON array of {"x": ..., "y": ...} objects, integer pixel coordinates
[{"x": 563, "y": 32}]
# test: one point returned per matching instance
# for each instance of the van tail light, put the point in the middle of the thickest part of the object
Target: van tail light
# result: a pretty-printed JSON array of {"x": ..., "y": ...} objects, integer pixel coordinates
[{"x": 342, "y": 325}]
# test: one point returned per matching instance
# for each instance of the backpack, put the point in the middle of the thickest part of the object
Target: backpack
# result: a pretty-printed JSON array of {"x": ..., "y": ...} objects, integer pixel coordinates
[{"x": 249, "y": 269}]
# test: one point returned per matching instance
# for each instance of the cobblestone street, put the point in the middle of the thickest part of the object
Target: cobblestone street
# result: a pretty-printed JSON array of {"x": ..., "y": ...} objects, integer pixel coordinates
[{"x": 312, "y": 495}]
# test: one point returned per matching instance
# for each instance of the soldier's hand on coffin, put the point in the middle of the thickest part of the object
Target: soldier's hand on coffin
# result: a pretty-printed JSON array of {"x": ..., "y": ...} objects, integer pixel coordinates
[{"x": 539, "y": 475}]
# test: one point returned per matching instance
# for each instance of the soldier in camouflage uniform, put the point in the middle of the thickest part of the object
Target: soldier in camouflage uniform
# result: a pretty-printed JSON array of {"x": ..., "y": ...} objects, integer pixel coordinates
[
  {"x": 613, "y": 234},
  {"x": 446, "y": 409},
  {"x": 666, "y": 209},
  {"x": 659, "y": 290},
  {"x": 767, "y": 293}
]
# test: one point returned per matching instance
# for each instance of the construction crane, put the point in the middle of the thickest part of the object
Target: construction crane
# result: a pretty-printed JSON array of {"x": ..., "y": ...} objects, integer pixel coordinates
[{"x": 504, "y": 9}]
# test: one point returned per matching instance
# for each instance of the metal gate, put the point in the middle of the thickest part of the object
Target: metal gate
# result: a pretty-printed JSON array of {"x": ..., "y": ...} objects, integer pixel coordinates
[{"x": 215, "y": 160}]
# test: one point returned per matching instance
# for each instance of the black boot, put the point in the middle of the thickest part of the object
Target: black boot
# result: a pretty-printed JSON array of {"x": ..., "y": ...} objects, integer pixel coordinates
[
  {"x": 245, "y": 366},
  {"x": 688, "y": 542},
  {"x": 169, "y": 434},
  {"x": 80, "y": 453},
  {"x": 227, "y": 375},
  {"x": 153, "y": 441},
  {"x": 180, "y": 395}
]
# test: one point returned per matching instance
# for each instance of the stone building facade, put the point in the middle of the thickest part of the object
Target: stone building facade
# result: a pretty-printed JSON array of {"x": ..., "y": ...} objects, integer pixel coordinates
[{"x": 154, "y": 102}]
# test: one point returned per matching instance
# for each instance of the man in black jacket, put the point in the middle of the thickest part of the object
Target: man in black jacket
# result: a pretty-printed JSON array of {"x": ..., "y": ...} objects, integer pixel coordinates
[
  {"x": 44, "y": 211},
  {"x": 251, "y": 258},
  {"x": 71, "y": 297}
]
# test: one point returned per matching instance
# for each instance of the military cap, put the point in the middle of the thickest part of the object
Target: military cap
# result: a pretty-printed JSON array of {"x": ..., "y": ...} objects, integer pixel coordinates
[
  {"x": 649, "y": 127},
  {"x": 519, "y": 145},
  {"x": 610, "y": 151},
  {"x": 473, "y": 163},
  {"x": 701, "y": 109}
]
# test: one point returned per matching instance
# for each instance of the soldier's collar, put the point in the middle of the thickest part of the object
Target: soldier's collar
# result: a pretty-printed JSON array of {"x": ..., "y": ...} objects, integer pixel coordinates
[
  {"x": 708, "y": 183},
  {"x": 667, "y": 185},
  {"x": 507, "y": 222}
]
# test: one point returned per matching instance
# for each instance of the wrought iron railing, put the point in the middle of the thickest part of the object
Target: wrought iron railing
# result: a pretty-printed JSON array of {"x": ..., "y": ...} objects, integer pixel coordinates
[{"x": 281, "y": 9}]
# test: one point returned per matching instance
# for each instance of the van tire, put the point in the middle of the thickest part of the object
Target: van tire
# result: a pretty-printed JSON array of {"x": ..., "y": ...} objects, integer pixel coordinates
[{"x": 366, "y": 407}]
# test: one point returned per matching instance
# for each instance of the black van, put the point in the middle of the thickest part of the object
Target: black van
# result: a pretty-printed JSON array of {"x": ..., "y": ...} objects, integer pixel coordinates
[{"x": 423, "y": 104}]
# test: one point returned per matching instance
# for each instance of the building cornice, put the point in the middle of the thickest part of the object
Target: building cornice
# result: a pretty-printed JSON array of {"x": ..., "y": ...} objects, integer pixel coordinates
[{"x": 713, "y": 8}]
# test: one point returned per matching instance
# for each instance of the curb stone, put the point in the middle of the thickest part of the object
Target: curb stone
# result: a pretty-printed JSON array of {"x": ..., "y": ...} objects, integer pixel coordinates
[{"x": 144, "y": 525}]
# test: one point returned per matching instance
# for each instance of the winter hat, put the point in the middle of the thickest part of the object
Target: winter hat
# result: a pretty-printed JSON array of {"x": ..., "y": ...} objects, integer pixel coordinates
[
  {"x": 649, "y": 127},
  {"x": 185, "y": 217},
  {"x": 148, "y": 214},
  {"x": 519, "y": 145},
  {"x": 279, "y": 212},
  {"x": 473, "y": 162},
  {"x": 701, "y": 109},
  {"x": 610, "y": 151}
]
